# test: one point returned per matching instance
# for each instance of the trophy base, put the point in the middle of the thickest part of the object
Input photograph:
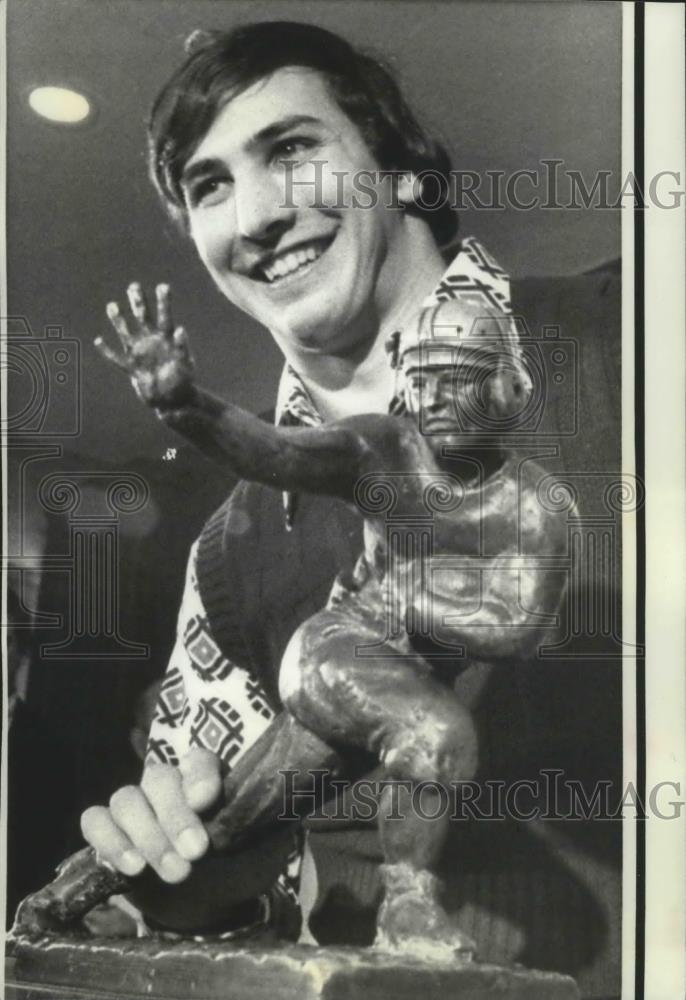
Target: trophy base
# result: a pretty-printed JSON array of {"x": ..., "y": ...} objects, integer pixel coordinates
[{"x": 60, "y": 967}]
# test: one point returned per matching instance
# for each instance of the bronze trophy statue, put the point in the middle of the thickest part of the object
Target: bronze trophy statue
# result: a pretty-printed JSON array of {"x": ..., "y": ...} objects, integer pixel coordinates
[{"x": 372, "y": 671}]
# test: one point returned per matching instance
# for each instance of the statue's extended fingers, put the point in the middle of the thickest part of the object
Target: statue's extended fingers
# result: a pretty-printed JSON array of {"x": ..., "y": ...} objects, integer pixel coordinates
[
  {"x": 137, "y": 302},
  {"x": 180, "y": 339},
  {"x": 119, "y": 324},
  {"x": 164, "y": 316},
  {"x": 110, "y": 355}
]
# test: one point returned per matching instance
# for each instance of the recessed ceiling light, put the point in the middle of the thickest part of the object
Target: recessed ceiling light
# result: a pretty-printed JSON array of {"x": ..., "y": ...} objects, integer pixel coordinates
[{"x": 59, "y": 104}]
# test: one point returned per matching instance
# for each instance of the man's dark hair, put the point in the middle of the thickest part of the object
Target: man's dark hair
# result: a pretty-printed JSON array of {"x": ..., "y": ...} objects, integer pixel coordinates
[{"x": 224, "y": 64}]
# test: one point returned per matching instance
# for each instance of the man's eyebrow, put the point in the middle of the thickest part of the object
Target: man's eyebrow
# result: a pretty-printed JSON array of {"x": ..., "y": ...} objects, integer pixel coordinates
[
  {"x": 198, "y": 169},
  {"x": 271, "y": 132},
  {"x": 264, "y": 136}
]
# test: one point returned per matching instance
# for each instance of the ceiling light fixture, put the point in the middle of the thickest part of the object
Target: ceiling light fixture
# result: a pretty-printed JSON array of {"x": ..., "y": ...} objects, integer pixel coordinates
[{"x": 59, "y": 104}]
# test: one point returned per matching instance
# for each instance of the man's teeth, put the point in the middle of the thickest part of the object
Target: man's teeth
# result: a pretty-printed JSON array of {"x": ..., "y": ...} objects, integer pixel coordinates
[{"x": 291, "y": 262}]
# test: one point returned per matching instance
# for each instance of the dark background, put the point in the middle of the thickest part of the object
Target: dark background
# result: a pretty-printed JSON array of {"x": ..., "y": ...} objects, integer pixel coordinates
[{"x": 504, "y": 85}]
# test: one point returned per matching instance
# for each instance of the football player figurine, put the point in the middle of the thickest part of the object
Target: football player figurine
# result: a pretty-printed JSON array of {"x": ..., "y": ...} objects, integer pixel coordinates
[{"x": 450, "y": 574}]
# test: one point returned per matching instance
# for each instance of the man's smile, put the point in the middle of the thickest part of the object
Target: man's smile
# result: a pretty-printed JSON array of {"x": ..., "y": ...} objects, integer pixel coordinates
[{"x": 292, "y": 262}]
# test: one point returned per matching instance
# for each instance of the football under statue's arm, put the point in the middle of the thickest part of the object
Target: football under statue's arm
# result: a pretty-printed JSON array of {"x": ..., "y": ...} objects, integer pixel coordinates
[
  {"x": 504, "y": 607},
  {"x": 506, "y": 604},
  {"x": 155, "y": 354}
]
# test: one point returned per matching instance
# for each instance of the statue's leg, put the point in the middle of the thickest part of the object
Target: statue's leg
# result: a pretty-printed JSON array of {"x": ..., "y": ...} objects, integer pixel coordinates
[{"x": 392, "y": 705}]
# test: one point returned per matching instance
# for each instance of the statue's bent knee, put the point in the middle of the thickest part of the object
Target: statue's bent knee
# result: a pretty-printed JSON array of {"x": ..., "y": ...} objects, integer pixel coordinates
[{"x": 314, "y": 671}]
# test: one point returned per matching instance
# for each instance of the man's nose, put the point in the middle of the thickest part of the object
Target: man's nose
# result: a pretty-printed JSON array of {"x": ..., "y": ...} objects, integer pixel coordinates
[{"x": 261, "y": 212}]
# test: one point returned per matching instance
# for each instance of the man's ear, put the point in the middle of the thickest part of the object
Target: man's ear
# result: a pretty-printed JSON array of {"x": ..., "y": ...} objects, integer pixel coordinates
[{"x": 408, "y": 188}]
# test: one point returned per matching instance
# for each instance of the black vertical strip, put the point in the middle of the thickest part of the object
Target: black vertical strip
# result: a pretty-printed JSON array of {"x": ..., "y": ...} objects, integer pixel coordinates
[{"x": 639, "y": 429}]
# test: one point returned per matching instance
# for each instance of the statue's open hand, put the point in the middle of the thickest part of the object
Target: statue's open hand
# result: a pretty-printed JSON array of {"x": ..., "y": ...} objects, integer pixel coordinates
[{"x": 155, "y": 355}]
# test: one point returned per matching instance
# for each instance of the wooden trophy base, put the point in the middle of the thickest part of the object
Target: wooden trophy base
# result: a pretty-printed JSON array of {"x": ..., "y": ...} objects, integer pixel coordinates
[{"x": 59, "y": 967}]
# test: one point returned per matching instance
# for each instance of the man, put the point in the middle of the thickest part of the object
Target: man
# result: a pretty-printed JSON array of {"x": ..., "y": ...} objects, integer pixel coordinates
[{"x": 248, "y": 111}]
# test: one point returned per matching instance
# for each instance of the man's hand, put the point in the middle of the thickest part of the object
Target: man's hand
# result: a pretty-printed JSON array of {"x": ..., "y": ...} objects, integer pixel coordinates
[
  {"x": 157, "y": 823},
  {"x": 155, "y": 355}
]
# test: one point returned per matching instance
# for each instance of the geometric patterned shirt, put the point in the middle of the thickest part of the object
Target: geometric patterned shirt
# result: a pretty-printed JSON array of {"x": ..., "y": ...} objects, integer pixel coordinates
[{"x": 205, "y": 700}]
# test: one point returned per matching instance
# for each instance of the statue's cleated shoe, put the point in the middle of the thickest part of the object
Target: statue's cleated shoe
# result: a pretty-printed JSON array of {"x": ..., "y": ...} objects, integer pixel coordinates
[{"x": 412, "y": 921}]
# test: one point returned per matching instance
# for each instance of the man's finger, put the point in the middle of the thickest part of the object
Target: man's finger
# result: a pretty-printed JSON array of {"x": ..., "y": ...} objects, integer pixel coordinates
[
  {"x": 133, "y": 815},
  {"x": 110, "y": 843},
  {"x": 137, "y": 302},
  {"x": 164, "y": 316},
  {"x": 106, "y": 351},
  {"x": 119, "y": 323},
  {"x": 163, "y": 788},
  {"x": 200, "y": 773}
]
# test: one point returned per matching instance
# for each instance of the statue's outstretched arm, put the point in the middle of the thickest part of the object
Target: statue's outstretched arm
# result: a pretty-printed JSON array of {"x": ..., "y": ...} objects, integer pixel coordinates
[
  {"x": 156, "y": 356},
  {"x": 316, "y": 459}
]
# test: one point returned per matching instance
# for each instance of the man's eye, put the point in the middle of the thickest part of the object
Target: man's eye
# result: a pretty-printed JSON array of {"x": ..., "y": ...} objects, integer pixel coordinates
[
  {"x": 209, "y": 191},
  {"x": 294, "y": 148}
]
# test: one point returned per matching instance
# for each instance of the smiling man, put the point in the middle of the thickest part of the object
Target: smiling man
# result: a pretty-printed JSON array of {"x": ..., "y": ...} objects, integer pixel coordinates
[
  {"x": 255, "y": 145},
  {"x": 321, "y": 276}
]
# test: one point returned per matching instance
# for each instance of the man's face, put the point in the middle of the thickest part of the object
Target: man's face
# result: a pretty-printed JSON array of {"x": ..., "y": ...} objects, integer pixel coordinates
[{"x": 310, "y": 270}]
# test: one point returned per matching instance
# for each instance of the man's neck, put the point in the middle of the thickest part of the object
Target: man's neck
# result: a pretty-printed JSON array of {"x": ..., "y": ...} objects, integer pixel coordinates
[
  {"x": 363, "y": 381},
  {"x": 342, "y": 388}
]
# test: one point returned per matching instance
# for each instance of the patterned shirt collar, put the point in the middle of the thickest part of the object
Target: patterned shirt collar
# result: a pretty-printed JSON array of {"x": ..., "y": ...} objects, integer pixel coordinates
[
  {"x": 294, "y": 404},
  {"x": 472, "y": 272}
]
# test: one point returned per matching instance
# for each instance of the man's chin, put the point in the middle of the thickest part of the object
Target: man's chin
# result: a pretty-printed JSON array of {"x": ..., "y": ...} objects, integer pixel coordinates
[
  {"x": 311, "y": 339},
  {"x": 316, "y": 332},
  {"x": 300, "y": 318}
]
